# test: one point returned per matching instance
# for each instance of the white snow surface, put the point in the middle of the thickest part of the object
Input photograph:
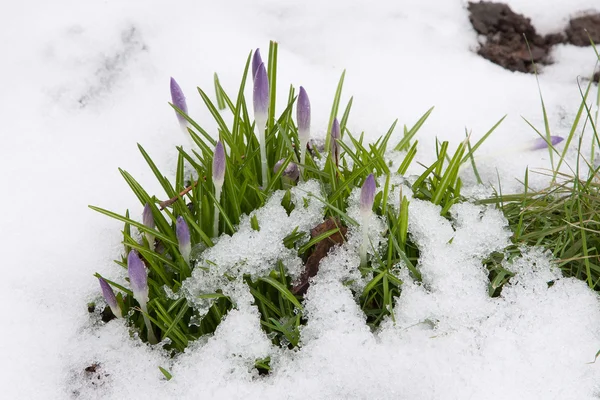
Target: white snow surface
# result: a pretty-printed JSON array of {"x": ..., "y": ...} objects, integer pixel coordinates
[{"x": 83, "y": 82}]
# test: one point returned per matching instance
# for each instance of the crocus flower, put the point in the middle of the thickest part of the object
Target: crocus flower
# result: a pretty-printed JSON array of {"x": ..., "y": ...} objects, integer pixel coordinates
[
  {"x": 218, "y": 166},
  {"x": 218, "y": 174},
  {"x": 110, "y": 298},
  {"x": 138, "y": 277},
  {"x": 335, "y": 136},
  {"x": 138, "y": 280},
  {"x": 291, "y": 172},
  {"x": 303, "y": 118},
  {"x": 261, "y": 106},
  {"x": 256, "y": 61},
  {"x": 182, "y": 231},
  {"x": 148, "y": 221},
  {"x": 367, "y": 196},
  {"x": 178, "y": 100},
  {"x": 540, "y": 143}
]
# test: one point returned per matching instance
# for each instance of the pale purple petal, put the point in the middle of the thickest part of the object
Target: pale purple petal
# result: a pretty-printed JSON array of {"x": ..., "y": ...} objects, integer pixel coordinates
[
  {"x": 147, "y": 217},
  {"x": 218, "y": 167},
  {"x": 178, "y": 100},
  {"x": 138, "y": 276},
  {"x": 367, "y": 194},
  {"x": 335, "y": 136},
  {"x": 540, "y": 143},
  {"x": 110, "y": 297},
  {"x": 303, "y": 114},
  {"x": 291, "y": 171},
  {"x": 182, "y": 231},
  {"x": 261, "y": 90},
  {"x": 256, "y": 61}
]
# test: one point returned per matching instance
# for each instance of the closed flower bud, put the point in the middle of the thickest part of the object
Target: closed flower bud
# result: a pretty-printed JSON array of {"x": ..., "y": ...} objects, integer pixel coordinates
[
  {"x": 367, "y": 194},
  {"x": 256, "y": 61},
  {"x": 138, "y": 277},
  {"x": 261, "y": 90},
  {"x": 218, "y": 166},
  {"x": 178, "y": 100},
  {"x": 291, "y": 172},
  {"x": 303, "y": 115},
  {"x": 110, "y": 298},
  {"x": 335, "y": 136},
  {"x": 148, "y": 221},
  {"x": 182, "y": 231}
]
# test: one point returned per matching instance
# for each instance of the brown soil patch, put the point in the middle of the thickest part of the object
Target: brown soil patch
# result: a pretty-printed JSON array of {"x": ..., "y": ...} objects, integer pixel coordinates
[
  {"x": 506, "y": 35},
  {"x": 581, "y": 29}
]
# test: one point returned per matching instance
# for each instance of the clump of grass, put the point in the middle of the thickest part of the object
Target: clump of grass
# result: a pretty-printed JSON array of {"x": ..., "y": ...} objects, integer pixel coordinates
[
  {"x": 208, "y": 197},
  {"x": 564, "y": 217}
]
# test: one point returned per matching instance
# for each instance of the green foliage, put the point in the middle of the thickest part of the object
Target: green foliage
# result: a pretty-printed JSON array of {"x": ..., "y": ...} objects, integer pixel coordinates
[
  {"x": 190, "y": 195},
  {"x": 564, "y": 217}
]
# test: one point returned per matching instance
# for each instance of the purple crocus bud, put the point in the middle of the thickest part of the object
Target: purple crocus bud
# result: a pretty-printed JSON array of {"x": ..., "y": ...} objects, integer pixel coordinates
[
  {"x": 291, "y": 172},
  {"x": 148, "y": 221},
  {"x": 138, "y": 277},
  {"x": 261, "y": 90},
  {"x": 303, "y": 115},
  {"x": 256, "y": 61},
  {"x": 367, "y": 194},
  {"x": 178, "y": 100},
  {"x": 182, "y": 231},
  {"x": 147, "y": 217},
  {"x": 110, "y": 298},
  {"x": 261, "y": 105},
  {"x": 218, "y": 166},
  {"x": 335, "y": 136},
  {"x": 540, "y": 143}
]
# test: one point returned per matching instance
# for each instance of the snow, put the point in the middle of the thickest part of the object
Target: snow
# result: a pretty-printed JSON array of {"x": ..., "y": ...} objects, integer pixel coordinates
[
  {"x": 255, "y": 253},
  {"x": 83, "y": 82}
]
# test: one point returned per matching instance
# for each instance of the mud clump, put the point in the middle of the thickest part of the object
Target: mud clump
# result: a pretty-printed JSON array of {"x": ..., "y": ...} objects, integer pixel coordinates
[
  {"x": 579, "y": 28},
  {"x": 504, "y": 42},
  {"x": 507, "y": 35}
]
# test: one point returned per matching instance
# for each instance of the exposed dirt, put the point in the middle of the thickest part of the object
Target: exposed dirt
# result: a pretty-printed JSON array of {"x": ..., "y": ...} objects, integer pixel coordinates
[
  {"x": 506, "y": 36},
  {"x": 505, "y": 32},
  {"x": 95, "y": 374},
  {"x": 581, "y": 29},
  {"x": 320, "y": 251},
  {"x": 106, "y": 315}
]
